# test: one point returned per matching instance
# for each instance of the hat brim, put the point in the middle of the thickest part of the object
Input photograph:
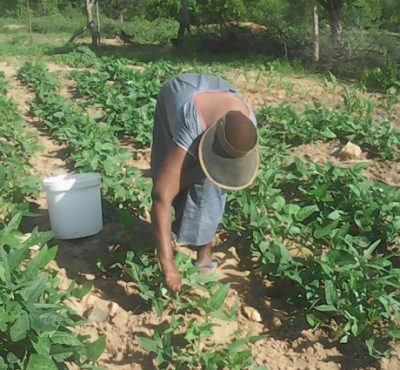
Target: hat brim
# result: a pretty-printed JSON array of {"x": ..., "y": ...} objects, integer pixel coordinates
[{"x": 223, "y": 170}]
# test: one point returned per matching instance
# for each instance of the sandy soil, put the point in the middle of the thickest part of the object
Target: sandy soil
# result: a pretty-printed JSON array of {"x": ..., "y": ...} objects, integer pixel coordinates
[{"x": 114, "y": 309}]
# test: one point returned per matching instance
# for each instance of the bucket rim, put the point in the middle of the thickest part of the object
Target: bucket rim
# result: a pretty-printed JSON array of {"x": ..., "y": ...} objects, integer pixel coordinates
[{"x": 71, "y": 181}]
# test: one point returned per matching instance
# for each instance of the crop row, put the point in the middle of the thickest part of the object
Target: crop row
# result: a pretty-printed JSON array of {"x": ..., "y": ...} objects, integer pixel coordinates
[
  {"x": 287, "y": 127},
  {"x": 16, "y": 148},
  {"x": 345, "y": 230},
  {"x": 91, "y": 147},
  {"x": 201, "y": 293},
  {"x": 35, "y": 325},
  {"x": 128, "y": 103},
  {"x": 127, "y": 96}
]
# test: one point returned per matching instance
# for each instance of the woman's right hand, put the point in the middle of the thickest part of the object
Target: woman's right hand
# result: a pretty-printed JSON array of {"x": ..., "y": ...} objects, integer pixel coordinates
[{"x": 173, "y": 279}]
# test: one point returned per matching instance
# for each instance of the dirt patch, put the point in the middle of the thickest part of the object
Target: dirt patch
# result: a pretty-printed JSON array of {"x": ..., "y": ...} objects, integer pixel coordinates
[
  {"x": 272, "y": 88},
  {"x": 14, "y": 26},
  {"x": 321, "y": 153}
]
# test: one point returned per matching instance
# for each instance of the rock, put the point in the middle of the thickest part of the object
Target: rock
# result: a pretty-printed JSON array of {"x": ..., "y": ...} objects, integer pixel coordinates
[
  {"x": 223, "y": 330},
  {"x": 350, "y": 151},
  {"x": 276, "y": 322},
  {"x": 96, "y": 314},
  {"x": 119, "y": 356},
  {"x": 252, "y": 314},
  {"x": 232, "y": 250},
  {"x": 90, "y": 277},
  {"x": 392, "y": 363},
  {"x": 90, "y": 299},
  {"x": 130, "y": 288},
  {"x": 75, "y": 305},
  {"x": 120, "y": 319},
  {"x": 113, "y": 307}
]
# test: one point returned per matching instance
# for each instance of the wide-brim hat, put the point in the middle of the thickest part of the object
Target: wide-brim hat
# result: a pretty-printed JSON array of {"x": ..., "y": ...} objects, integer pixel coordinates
[{"x": 228, "y": 152}]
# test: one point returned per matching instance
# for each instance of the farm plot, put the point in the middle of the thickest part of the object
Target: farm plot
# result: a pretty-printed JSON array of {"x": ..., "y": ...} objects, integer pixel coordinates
[{"x": 326, "y": 235}]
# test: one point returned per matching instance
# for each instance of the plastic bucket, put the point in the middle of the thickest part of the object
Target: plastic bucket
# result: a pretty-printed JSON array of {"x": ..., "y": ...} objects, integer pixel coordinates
[{"x": 74, "y": 204}]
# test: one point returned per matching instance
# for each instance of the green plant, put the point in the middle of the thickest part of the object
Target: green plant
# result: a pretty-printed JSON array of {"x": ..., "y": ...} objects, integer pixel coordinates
[
  {"x": 128, "y": 103},
  {"x": 345, "y": 228},
  {"x": 35, "y": 327},
  {"x": 382, "y": 79},
  {"x": 191, "y": 351},
  {"x": 16, "y": 149},
  {"x": 91, "y": 147},
  {"x": 81, "y": 57},
  {"x": 288, "y": 127},
  {"x": 3, "y": 84}
]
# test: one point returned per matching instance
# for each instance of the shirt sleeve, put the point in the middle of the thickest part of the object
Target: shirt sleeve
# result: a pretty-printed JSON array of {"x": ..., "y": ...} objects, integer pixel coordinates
[{"x": 188, "y": 129}]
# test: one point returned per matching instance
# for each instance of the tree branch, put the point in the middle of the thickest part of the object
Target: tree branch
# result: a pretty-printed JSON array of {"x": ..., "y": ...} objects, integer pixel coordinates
[{"x": 76, "y": 34}]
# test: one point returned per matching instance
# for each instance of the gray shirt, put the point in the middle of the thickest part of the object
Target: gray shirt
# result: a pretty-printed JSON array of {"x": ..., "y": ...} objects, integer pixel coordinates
[{"x": 177, "y": 118}]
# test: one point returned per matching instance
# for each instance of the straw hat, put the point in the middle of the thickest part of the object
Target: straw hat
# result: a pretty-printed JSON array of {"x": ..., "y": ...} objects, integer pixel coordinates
[{"x": 228, "y": 151}]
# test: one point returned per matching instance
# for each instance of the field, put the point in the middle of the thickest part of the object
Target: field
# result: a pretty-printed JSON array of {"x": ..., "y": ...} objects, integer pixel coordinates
[{"x": 309, "y": 272}]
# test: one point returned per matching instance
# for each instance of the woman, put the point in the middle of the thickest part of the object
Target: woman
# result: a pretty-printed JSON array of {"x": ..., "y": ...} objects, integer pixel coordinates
[{"x": 204, "y": 143}]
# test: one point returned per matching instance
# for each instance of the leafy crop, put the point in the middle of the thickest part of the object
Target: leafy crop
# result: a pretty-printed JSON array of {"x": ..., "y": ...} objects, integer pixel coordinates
[
  {"x": 345, "y": 228},
  {"x": 382, "y": 79},
  {"x": 180, "y": 341},
  {"x": 66, "y": 122},
  {"x": 17, "y": 146},
  {"x": 3, "y": 84},
  {"x": 127, "y": 96},
  {"x": 287, "y": 127},
  {"x": 91, "y": 147},
  {"x": 329, "y": 231},
  {"x": 81, "y": 57},
  {"x": 34, "y": 326}
]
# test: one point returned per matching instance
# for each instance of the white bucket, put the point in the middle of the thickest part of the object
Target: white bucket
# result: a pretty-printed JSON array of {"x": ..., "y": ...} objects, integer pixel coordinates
[{"x": 74, "y": 204}]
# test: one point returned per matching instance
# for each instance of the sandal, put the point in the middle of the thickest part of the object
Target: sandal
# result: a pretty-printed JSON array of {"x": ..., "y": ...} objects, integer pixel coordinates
[{"x": 207, "y": 268}]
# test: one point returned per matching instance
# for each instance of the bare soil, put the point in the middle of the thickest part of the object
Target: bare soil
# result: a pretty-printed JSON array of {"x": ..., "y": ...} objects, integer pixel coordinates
[{"x": 114, "y": 308}]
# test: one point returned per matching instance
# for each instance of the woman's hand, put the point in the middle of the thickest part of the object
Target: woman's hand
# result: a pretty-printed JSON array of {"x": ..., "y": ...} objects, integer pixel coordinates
[{"x": 172, "y": 279}]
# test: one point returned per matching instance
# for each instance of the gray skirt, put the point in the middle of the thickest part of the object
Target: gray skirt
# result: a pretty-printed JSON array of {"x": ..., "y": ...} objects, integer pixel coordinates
[{"x": 198, "y": 212}]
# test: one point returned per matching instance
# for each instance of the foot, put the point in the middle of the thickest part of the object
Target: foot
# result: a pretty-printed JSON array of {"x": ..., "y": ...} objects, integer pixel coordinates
[
  {"x": 204, "y": 254},
  {"x": 207, "y": 268},
  {"x": 205, "y": 261}
]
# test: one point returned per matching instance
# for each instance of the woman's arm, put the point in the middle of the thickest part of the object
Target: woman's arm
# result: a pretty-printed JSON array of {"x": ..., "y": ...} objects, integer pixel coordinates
[{"x": 165, "y": 188}]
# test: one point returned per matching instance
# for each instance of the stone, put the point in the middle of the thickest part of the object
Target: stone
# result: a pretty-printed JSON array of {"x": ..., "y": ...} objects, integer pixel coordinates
[
  {"x": 74, "y": 305},
  {"x": 96, "y": 314},
  {"x": 90, "y": 299},
  {"x": 90, "y": 277},
  {"x": 350, "y": 151},
  {"x": 223, "y": 330},
  {"x": 252, "y": 314},
  {"x": 120, "y": 319},
  {"x": 113, "y": 307},
  {"x": 119, "y": 356},
  {"x": 276, "y": 322}
]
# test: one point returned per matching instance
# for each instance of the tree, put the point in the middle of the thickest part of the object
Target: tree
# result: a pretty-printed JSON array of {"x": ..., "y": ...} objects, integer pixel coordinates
[
  {"x": 90, "y": 24},
  {"x": 315, "y": 33},
  {"x": 333, "y": 8}
]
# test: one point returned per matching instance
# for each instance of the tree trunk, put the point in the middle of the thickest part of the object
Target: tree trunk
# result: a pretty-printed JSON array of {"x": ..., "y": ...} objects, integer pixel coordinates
[
  {"x": 333, "y": 7},
  {"x": 98, "y": 18},
  {"x": 336, "y": 29},
  {"x": 184, "y": 21},
  {"x": 315, "y": 33},
  {"x": 28, "y": 8},
  {"x": 91, "y": 24}
]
